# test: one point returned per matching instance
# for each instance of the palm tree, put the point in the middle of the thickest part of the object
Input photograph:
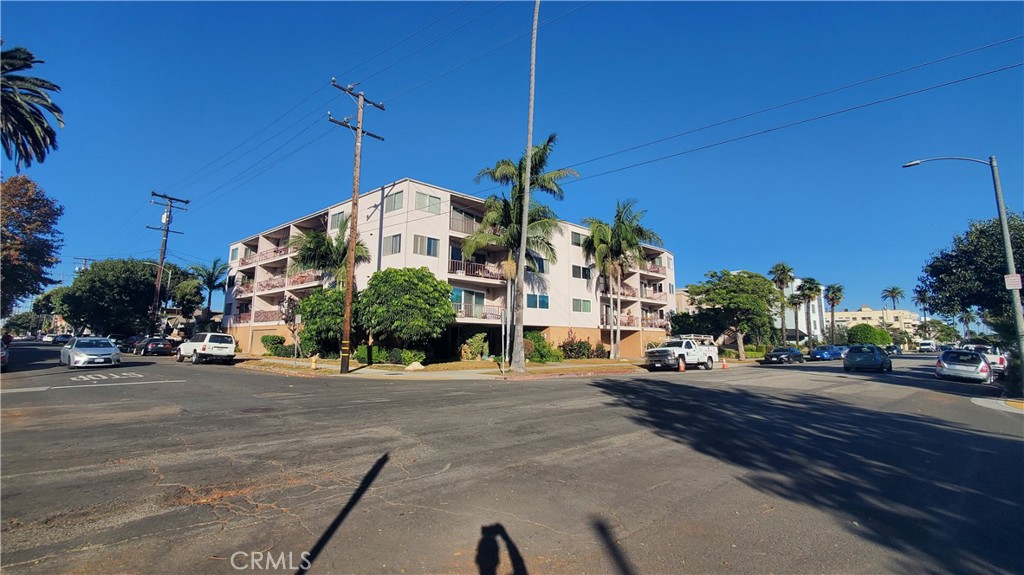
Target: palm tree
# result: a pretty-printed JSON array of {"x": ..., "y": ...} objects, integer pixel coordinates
[
  {"x": 212, "y": 279},
  {"x": 893, "y": 293},
  {"x": 921, "y": 300},
  {"x": 966, "y": 318},
  {"x": 597, "y": 249},
  {"x": 809, "y": 291},
  {"x": 628, "y": 235},
  {"x": 509, "y": 173},
  {"x": 833, "y": 295},
  {"x": 794, "y": 301},
  {"x": 25, "y": 132},
  {"x": 318, "y": 250},
  {"x": 782, "y": 276}
]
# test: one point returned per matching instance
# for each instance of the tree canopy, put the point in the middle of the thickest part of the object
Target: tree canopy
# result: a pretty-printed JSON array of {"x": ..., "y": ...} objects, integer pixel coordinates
[
  {"x": 746, "y": 300},
  {"x": 405, "y": 305},
  {"x": 30, "y": 241},
  {"x": 24, "y": 130},
  {"x": 864, "y": 333}
]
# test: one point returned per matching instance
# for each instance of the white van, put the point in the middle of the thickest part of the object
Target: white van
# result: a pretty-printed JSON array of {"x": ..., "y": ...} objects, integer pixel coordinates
[{"x": 927, "y": 346}]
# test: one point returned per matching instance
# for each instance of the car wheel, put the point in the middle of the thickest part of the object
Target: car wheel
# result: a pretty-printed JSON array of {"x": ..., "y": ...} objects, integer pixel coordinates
[
  {"x": 802, "y": 360},
  {"x": 142, "y": 352},
  {"x": 709, "y": 364},
  {"x": 787, "y": 359},
  {"x": 178, "y": 357},
  {"x": 889, "y": 367},
  {"x": 195, "y": 358}
]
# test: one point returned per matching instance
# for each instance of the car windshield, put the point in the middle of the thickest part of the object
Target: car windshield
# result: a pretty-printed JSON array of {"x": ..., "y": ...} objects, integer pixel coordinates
[
  {"x": 823, "y": 348},
  {"x": 861, "y": 349},
  {"x": 961, "y": 357},
  {"x": 158, "y": 341},
  {"x": 94, "y": 343},
  {"x": 781, "y": 350}
]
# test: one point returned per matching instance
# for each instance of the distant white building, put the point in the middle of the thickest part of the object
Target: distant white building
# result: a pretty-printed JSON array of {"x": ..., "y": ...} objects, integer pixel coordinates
[{"x": 796, "y": 328}]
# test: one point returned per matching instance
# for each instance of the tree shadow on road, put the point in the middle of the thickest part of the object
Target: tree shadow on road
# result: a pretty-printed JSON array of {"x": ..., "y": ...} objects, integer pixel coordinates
[
  {"x": 945, "y": 497},
  {"x": 904, "y": 376}
]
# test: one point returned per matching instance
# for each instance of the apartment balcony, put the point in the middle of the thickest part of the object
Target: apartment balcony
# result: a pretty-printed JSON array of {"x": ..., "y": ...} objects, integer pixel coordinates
[
  {"x": 247, "y": 261},
  {"x": 462, "y": 225},
  {"x": 266, "y": 256},
  {"x": 656, "y": 323},
  {"x": 627, "y": 292},
  {"x": 305, "y": 278},
  {"x": 266, "y": 315},
  {"x": 652, "y": 269},
  {"x": 473, "y": 269},
  {"x": 271, "y": 284},
  {"x": 473, "y": 311},
  {"x": 654, "y": 295},
  {"x": 626, "y": 321},
  {"x": 240, "y": 318},
  {"x": 244, "y": 290}
]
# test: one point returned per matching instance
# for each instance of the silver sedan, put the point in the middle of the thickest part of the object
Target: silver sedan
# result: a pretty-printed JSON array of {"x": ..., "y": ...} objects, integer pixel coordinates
[
  {"x": 964, "y": 364},
  {"x": 89, "y": 352}
]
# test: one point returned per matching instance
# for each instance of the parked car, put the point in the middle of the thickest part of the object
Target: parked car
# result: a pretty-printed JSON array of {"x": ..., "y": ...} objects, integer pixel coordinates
[
  {"x": 48, "y": 337},
  {"x": 867, "y": 357},
  {"x": 926, "y": 346},
  {"x": 207, "y": 346},
  {"x": 61, "y": 339},
  {"x": 964, "y": 364},
  {"x": 943, "y": 348},
  {"x": 826, "y": 353},
  {"x": 128, "y": 344},
  {"x": 893, "y": 350},
  {"x": 5, "y": 356},
  {"x": 117, "y": 338},
  {"x": 783, "y": 355},
  {"x": 997, "y": 358},
  {"x": 843, "y": 350},
  {"x": 89, "y": 352},
  {"x": 154, "y": 346}
]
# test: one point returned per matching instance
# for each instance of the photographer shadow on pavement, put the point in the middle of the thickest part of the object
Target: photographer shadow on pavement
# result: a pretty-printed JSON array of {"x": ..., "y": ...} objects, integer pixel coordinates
[{"x": 488, "y": 551}]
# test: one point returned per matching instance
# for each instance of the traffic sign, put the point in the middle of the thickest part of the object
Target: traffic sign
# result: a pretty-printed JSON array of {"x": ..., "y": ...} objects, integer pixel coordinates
[{"x": 1012, "y": 281}]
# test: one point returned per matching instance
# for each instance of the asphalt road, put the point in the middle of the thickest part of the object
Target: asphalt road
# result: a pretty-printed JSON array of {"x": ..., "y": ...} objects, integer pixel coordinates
[{"x": 159, "y": 467}]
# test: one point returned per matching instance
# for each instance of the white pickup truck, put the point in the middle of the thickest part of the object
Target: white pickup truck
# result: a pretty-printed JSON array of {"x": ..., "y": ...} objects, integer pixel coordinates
[
  {"x": 691, "y": 349},
  {"x": 996, "y": 357}
]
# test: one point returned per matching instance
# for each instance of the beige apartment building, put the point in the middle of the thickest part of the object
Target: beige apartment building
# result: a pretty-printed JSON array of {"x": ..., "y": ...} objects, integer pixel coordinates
[
  {"x": 414, "y": 224},
  {"x": 902, "y": 319}
]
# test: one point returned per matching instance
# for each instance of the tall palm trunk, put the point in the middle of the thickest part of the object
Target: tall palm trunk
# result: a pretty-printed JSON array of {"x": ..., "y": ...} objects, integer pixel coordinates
[
  {"x": 810, "y": 337},
  {"x": 785, "y": 309},
  {"x": 833, "y": 325},
  {"x": 618, "y": 319}
]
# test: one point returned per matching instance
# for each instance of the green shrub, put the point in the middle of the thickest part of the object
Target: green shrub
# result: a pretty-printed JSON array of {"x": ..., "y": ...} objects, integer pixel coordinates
[
  {"x": 394, "y": 356},
  {"x": 729, "y": 353},
  {"x": 271, "y": 342},
  {"x": 284, "y": 351},
  {"x": 599, "y": 351},
  {"x": 379, "y": 354},
  {"x": 474, "y": 347},
  {"x": 409, "y": 356},
  {"x": 542, "y": 350}
]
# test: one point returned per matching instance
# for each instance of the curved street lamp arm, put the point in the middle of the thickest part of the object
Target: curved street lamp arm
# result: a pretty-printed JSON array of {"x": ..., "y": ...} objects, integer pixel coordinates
[{"x": 962, "y": 158}]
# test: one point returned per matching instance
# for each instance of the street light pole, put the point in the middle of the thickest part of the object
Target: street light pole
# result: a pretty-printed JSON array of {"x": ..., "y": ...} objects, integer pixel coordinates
[{"x": 1011, "y": 268}]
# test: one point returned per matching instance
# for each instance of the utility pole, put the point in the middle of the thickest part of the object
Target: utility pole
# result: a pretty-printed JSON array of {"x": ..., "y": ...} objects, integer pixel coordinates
[
  {"x": 84, "y": 265},
  {"x": 166, "y": 220},
  {"x": 353, "y": 217}
]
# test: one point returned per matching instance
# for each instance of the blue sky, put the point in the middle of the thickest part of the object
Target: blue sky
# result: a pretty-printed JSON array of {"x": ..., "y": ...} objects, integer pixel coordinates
[{"x": 225, "y": 104}]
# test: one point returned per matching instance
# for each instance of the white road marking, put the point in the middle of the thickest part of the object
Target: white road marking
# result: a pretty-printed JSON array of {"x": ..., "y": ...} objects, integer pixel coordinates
[{"x": 27, "y": 389}]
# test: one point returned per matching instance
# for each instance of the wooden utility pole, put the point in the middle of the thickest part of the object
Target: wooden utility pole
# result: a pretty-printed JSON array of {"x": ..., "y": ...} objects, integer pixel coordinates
[
  {"x": 166, "y": 220},
  {"x": 353, "y": 217}
]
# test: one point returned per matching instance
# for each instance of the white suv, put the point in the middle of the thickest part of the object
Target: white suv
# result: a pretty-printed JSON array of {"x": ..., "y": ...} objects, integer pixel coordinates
[{"x": 204, "y": 346}]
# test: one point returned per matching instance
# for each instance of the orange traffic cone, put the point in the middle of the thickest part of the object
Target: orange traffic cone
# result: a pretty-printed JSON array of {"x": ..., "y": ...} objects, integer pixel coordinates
[
  {"x": 682, "y": 364},
  {"x": 724, "y": 365}
]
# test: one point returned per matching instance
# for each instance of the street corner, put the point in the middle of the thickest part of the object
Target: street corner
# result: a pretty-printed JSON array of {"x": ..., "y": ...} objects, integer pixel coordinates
[{"x": 1010, "y": 405}]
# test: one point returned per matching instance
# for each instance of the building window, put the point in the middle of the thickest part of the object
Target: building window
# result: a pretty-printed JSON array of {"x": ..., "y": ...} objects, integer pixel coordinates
[
  {"x": 393, "y": 202},
  {"x": 393, "y": 244},
  {"x": 657, "y": 261},
  {"x": 424, "y": 246},
  {"x": 428, "y": 203},
  {"x": 536, "y": 301},
  {"x": 581, "y": 305},
  {"x": 581, "y": 272},
  {"x": 234, "y": 255},
  {"x": 577, "y": 239},
  {"x": 467, "y": 303},
  {"x": 669, "y": 263},
  {"x": 542, "y": 266},
  {"x": 671, "y": 288},
  {"x": 336, "y": 220}
]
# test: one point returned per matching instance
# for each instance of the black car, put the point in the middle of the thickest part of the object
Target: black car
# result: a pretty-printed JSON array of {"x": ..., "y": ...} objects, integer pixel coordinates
[
  {"x": 783, "y": 355},
  {"x": 128, "y": 344},
  {"x": 154, "y": 346},
  {"x": 893, "y": 350}
]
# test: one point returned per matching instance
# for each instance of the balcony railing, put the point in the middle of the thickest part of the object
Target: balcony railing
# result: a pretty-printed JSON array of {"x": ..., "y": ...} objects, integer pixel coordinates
[
  {"x": 656, "y": 269},
  {"x": 654, "y": 295},
  {"x": 244, "y": 289},
  {"x": 627, "y": 291},
  {"x": 267, "y": 315},
  {"x": 267, "y": 255},
  {"x": 464, "y": 268},
  {"x": 306, "y": 277},
  {"x": 243, "y": 317},
  {"x": 624, "y": 320},
  {"x": 656, "y": 322},
  {"x": 272, "y": 283},
  {"x": 463, "y": 225},
  {"x": 469, "y": 310}
]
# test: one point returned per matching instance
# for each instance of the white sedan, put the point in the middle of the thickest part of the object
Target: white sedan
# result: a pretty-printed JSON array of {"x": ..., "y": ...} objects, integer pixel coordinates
[{"x": 89, "y": 352}]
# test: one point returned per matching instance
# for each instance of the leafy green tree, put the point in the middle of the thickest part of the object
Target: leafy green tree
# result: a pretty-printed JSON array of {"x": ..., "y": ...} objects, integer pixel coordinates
[
  {"x": 966, "y": 318},
  {"x": 30, "y": 240},
  {"x": 509, "y": 173},
  {"x": 112, "y": 295},
  {"x": 211, "y": 278},
  {"x": 937, "y": 330},
  {"x": 318, "y": 250},
  {"x": 782, "y": 275},
  {"x": 24, "y": 322},
  {"x": 188, "y": 296},
  {"x": 323, "y": 313},
  {"x": 711, "y": 321},
  {"x": 864, "y": 333},
  {"x": 746, "y": 300},
  {"x": 809, "y": 291},
  {"x": 24, "y": 130},
  {"x": 834, "y": 296},
  {"x": 406, "y": 306},
  {"x": 969, "y": 274}
]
